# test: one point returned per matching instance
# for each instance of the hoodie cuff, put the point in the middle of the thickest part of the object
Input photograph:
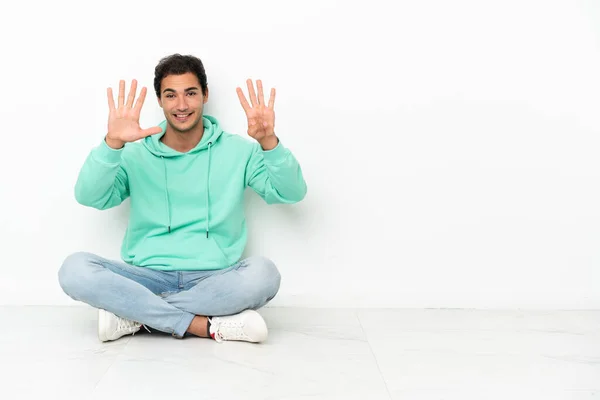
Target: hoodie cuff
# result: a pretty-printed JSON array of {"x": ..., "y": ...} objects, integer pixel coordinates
[
  {"x": 106, "y": 154},
  {"x": 276, "y": 155}
]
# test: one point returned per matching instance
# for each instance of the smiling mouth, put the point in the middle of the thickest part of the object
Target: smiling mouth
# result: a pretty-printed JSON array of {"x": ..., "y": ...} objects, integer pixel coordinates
[{"x": 182, "y": 117}]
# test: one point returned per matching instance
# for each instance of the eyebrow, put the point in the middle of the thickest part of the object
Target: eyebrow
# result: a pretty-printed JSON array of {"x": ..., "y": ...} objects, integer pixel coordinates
[{"x": 186, "y": 90}]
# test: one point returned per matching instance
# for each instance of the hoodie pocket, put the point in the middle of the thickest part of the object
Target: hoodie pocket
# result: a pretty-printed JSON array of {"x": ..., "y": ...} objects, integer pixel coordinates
[
  {"x": 218, "y": 249},
  {"x": 187, "y": 250}
]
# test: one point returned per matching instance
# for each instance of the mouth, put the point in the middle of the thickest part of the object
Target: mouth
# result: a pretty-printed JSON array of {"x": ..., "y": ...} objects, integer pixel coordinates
[{"x": 182, "y": 117}]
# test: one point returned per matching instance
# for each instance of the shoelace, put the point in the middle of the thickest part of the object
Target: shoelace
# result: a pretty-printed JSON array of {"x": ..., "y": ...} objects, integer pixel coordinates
[
  {"x": 229, "y": 330},
  {"x": 127, "y": 325}
]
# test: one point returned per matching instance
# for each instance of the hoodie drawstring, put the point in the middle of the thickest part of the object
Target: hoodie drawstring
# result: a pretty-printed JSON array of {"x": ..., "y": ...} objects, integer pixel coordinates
[
  {"x": 207, "y": 187},
  {"x": 207, "y": 192},
  {"x": 167, "y": 196}
]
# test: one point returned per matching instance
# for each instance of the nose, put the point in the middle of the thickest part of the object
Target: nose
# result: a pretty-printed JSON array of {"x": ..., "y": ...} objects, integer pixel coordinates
[{"x": 181, "y": 104}]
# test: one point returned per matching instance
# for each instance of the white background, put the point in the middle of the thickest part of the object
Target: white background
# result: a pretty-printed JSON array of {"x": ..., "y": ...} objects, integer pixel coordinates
[{"x": 450, "y": 148}]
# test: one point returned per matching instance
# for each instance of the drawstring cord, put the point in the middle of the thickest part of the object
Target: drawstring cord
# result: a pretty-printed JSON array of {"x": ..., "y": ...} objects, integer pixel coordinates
[
  {"x": 207, "y": 194},
  {"x": 167, "y": 195},
  {"x": 207, "y": 186}
]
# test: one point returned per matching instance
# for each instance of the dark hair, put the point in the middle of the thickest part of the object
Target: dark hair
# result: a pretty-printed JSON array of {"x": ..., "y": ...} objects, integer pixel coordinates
[{"x": 176, "y": 64}]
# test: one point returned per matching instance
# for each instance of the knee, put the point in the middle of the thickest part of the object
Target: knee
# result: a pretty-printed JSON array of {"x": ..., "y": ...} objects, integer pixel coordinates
[
  {"x": 267, "y": 275},
  {"x": 71, "y": 273}
]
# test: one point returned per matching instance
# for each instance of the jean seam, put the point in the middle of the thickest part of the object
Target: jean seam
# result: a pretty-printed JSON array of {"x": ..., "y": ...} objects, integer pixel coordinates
[{"x": 241, "y": 263}]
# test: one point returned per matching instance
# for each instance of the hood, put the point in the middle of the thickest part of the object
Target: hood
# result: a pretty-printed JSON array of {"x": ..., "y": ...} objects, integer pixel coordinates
[{"x": 212, "y": 132}]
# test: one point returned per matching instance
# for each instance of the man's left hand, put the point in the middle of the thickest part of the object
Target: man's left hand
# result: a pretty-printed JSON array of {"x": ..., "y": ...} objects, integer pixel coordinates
[{"x": 261, "y": 117}]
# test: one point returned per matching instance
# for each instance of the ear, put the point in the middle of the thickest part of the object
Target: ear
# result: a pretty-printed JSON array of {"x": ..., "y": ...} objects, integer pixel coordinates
[
  {"x": 206, "y": 96},
  {"x": 159, "y": 102}
]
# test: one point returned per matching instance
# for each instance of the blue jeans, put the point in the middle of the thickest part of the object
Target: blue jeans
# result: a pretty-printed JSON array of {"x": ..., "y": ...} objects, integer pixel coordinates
[{"x": 168, "y": 300}]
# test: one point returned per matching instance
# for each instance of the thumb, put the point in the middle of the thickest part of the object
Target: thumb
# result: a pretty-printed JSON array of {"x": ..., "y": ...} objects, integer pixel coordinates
[{"x": 151, "y": 131}]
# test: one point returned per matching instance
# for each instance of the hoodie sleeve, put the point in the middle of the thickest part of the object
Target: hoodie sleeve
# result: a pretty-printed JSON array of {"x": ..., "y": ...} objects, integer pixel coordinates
[
  {"x": 275, "y": 175},
  {"x": 102, "y": 182}
]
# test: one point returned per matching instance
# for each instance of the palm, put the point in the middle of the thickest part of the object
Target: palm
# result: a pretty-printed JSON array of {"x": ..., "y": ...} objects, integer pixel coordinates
[
  {"x": 261, "y": 116},
  {"x": 126, "y": 129},
  {"x": 123, "y": 121}
]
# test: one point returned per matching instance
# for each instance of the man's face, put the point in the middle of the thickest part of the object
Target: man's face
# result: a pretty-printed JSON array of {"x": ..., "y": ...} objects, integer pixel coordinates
[{"x": 182, "y": 101}]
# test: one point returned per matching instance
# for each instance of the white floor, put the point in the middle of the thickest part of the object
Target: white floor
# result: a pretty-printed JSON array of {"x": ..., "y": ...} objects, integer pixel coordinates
[{"x": 53, "y": 353}]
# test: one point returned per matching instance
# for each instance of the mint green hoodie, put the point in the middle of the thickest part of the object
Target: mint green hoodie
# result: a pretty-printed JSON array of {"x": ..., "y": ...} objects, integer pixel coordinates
[{"x": 187, "y": 210}]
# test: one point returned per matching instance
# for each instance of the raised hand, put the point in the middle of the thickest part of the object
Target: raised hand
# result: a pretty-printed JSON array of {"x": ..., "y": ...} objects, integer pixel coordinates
[
  {"x": 124, "y": 120},
  {"x": 261, "y": 117}
]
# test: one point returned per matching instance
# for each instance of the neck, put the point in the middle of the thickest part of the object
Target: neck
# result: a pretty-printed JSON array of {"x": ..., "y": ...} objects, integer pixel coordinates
[{"x": 183, "y": 141}]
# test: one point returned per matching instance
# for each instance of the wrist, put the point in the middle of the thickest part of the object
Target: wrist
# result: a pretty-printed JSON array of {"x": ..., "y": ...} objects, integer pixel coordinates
[
  {"x": 113, "y": 143},
  {"x": 269, "y": 143}
]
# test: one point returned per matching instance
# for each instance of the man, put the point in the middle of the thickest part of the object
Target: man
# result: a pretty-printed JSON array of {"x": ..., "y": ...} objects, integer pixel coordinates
[{"x": 182, "y": 271}]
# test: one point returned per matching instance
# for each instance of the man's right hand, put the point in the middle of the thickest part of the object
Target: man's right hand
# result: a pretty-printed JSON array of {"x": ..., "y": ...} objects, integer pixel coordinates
[{"x": 124, "y": 121}]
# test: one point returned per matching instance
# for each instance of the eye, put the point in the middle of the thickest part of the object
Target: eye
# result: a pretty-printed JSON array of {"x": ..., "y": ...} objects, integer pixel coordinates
[
  {"x": 191, "y": 93},
  {"x": 169, "y": 96}
]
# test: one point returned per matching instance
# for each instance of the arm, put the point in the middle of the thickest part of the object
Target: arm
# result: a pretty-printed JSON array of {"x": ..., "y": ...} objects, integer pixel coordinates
[
  {"x": 275, "y": 175},
  {"x": 102, "y": 182},
  {"x": 272, "y": 171}
]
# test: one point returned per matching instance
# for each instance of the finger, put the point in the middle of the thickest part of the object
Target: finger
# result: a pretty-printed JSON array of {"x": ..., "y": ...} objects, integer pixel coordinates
[
  {"x": 272, "y": 98},
  {"x": 140, "y": 101},
  {"x": 132, "y": 91},
  {"x": 252, "y": 93},
  {"x": 253, "y": 130},
  {"x": 111, "y": 99},
  {"x": 261, "y": 97},
  {"x": 243, "y": 100},
  {"x": 151, "y": 131},
  {"x": 121, "y": 93}
]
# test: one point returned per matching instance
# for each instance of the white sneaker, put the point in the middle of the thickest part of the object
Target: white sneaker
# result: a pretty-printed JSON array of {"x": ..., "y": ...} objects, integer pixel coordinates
[
  {"x": 246, "y": 326},
  {"x": 111, "y": 327}
]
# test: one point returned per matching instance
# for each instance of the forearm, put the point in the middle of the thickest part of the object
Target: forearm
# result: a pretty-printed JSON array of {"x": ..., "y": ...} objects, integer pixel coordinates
[
  {"x": 284, "y": 180},
  {"x": 101, "y": 182}
]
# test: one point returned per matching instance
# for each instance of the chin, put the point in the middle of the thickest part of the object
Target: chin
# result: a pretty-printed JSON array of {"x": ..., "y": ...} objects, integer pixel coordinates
[{"x": 182, "y": 127}]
